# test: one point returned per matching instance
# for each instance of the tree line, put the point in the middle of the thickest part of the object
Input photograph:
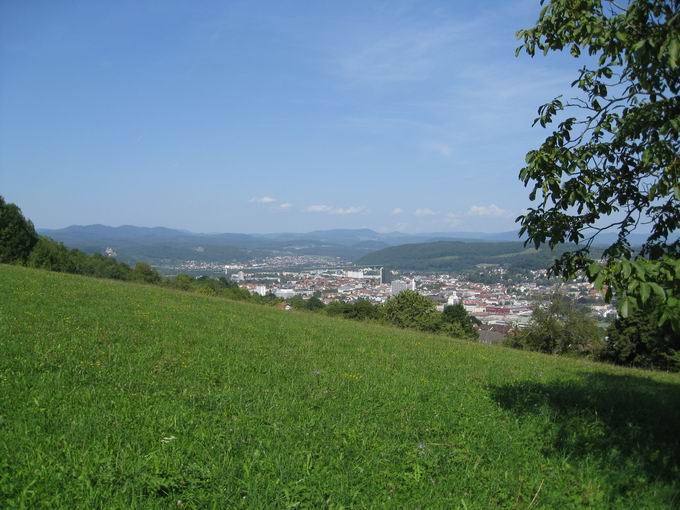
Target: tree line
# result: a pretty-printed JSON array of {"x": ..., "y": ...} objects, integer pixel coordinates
[{"x": 408, "y": 310}]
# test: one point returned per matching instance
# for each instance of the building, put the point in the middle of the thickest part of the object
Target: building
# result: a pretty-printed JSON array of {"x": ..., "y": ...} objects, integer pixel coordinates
[
  {"x": 398, "y": 286},
  {"x": 453, "y": 299},
  {"x": 285, "y": 293},
  {"x": 355, "y": 274},
  {"x": 261, "y": 290},
  {"x": 238, "y": 277}
]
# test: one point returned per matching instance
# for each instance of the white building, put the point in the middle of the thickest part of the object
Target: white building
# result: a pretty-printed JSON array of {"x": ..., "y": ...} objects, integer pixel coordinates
[
  {"x": 285, "y": 293},
  {"x": 474, "y": 308},
  {"x": 355, "y": 274},
  {"x": 261, "y": 290},
  {"x": 453, "y": 299},
  {"x": 398, "y": 286},
  {"x": 238, "y": 277}
]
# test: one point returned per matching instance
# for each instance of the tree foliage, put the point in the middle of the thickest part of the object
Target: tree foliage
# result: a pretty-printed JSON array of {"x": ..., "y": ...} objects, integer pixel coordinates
[
  {"x": 638, "y": 341},
  {"x": 17, "y": 234},
  {"x": 144, "y": 272},
  {"x": 408, "y": 309},
  {"x": 559, "y": 327},
  {"x": 459, "y": 323},
  {"x": 360, "y": 310},
  {"x": 54, "y": 256},
  {"x": 612, "y": 161},
  {"x": 312, "y": 304}
]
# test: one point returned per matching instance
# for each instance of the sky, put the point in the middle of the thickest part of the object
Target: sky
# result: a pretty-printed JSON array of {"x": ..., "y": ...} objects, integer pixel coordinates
[{"x": 268, "y": 116}]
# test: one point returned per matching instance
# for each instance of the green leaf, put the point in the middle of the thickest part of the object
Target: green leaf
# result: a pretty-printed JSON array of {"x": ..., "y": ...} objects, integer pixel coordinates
[
  {"x": 644, "y": 292},
  {"x": 599, "y": 280},
  {"x": 658, "y": 290},
  {"x": 594, "y": 269},
  {"x": 625, "y": 268},
  {"x": 674, "y": 51}
]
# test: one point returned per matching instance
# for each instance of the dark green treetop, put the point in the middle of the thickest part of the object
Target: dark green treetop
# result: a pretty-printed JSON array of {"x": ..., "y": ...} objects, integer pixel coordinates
[{"x": 17, "y": 234}]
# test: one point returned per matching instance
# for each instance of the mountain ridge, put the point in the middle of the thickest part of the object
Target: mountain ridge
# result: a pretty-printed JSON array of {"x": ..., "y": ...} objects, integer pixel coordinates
[{"x": 155, "y": 244}]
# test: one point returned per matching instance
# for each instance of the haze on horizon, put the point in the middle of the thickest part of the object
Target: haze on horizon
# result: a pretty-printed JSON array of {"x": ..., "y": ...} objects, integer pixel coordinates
[{"x": 410, "y": 116}]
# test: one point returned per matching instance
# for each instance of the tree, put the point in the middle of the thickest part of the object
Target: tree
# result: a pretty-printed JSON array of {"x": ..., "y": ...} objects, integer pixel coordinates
[
  {"x": 182, "y": 281},
  {"x": 408, "y": 309},
  {"x": 360, "y": 310},
  {"x": 363, "y": 309},
  {"x": 314, "y": 304},
  {"x": 460, "y": 323},
  {"x": 51, "y": 255},
  {"x": 297, "y": 303},
  {"x": 144, "y": 272},
  {"x": 612, "y": 162},
  {"x": 638, "y": 341},
  {"x": 559, "y": 327},
  {"x": 17, "y": 234}
]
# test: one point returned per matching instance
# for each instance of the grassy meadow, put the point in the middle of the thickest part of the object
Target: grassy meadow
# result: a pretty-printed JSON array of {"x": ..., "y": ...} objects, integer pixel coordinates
[{"x": 121, "y": 395}]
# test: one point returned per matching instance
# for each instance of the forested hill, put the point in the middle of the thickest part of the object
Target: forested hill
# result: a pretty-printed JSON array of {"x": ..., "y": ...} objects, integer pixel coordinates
[{"x": 460, "y": 255}]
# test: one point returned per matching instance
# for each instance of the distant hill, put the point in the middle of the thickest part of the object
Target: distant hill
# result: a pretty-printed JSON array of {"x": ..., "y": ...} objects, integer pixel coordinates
[
  {"x": 459, "y": 256},
  {"x": 160, "y": 244},
  {"x": 120, "y": 395},
  {"x": 155, "y": 245}
]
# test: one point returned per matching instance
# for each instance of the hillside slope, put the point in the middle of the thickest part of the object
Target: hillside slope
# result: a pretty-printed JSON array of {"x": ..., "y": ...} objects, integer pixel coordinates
[{"x": 121, "y": 395}]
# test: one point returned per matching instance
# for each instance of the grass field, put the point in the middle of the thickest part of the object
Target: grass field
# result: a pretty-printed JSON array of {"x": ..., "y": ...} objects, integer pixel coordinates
[{"x": 119, "y": 395}]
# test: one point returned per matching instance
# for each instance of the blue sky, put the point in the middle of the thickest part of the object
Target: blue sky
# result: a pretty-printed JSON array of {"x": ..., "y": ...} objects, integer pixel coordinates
[{"x": 270, "y": 116}]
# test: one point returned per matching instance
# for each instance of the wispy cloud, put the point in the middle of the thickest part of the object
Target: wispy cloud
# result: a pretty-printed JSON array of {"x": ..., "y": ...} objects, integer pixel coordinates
[
  {"x": 328, "y": 209},
  {"x": 443, "y": 149},
  {"x": 285, "y": 205},
  {"x": 397, "y": 211},
  {"x": 426, "y": 211},
  {"x": 490, "y": 211},
  {"x": 407, "y": 53},
  {"x": 263, "y": 200}
]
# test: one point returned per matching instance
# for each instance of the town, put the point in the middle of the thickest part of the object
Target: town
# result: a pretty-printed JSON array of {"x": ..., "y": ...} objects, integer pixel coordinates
[{"x": 500, "y": 303}]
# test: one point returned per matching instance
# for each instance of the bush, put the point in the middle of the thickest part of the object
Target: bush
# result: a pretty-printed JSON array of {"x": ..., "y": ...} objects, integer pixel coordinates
[
  {"x": 313, "y": 304},
  {"x": 408, "y": 309},
  {"x": 145, "y": 273},
  {"x": 52, "y": 256},
  {"x": 559, "y": 327},
  {"x": 361, "y": 309},
  {"x": 639, "y": 341},
  {"x": 459, "y": 323}
]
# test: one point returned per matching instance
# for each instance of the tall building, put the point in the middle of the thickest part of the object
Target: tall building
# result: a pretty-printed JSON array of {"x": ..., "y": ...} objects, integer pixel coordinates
[
  {"x": 398, "y": 286},
  {"x": 238, "y": 277}
]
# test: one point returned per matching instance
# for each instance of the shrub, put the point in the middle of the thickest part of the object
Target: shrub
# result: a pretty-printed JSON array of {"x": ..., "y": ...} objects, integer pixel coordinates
[
  {"x": 639, "y": 341},
  {"x": 408, "y": 309},
  {"x": 559, "y": 327}
]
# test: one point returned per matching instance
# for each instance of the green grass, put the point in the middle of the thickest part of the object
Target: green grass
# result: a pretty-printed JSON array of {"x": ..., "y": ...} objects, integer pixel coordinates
[{"x": 122, "y": 395}]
